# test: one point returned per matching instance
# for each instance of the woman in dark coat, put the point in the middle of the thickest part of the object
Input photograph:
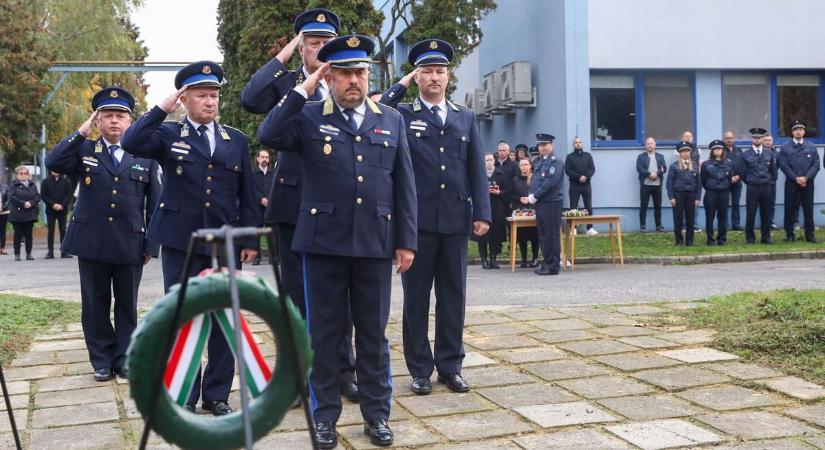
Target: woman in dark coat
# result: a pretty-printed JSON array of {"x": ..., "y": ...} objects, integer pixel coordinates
[
  {"x": 684, "y": 189},
  {"x": 489, "y": 245},
  {"x": 518, "y": 200},
  {"x": 4, "y": 216},
  {"x": 23, "y": 201}
]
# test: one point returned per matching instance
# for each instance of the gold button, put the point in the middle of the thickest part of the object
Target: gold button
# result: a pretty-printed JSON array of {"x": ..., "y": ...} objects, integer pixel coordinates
[
  {"x": 357, "y": 138},
  {"x": 113, "y": 206},
  {"x": 327, "y": 138},
  {"x": 180, "y": 158},
  {"x": 360, "y": 178},
  {"x": 359, "y": 158},
  {"x": 359, "y": 200},
  {"x": 111, "y": 219},
  {"x": 209, "y": 166},
  {"x": 417, "y": 134},
  {"x": 441, "y": 149},
  {"x": 162, "y": 205},
  {"x": 443, "y": 186},
  {"x": 114, "y": 191},
  {"x": 313, "y": 211},
  {"x": 208, "y": 191},
  {"x": 117, "y": 179},
  {"x": 207, "y": 205},
  {"x": 386, "y": 144},
  {"x": 443, "y": 168},
  {"x": 208, "y": 178}
]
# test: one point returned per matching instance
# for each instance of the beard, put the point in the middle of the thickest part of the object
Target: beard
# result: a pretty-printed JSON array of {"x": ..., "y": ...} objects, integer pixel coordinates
[{"x": 350, "y": 102}]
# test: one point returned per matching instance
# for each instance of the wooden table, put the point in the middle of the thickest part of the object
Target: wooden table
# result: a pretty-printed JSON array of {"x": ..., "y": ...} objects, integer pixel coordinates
[
  {"x": 523, "y": 222},
  {"x": 608, "y": 219}
]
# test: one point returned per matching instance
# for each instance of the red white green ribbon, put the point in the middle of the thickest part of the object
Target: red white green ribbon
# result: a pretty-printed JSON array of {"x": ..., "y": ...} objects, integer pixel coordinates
[
  {"x": 184, "y": 362},
  {"x": 256, "y": 368}
]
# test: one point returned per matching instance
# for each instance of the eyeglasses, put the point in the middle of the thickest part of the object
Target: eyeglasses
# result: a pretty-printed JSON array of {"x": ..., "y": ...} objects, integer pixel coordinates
[{"x": 23, "y": 173}]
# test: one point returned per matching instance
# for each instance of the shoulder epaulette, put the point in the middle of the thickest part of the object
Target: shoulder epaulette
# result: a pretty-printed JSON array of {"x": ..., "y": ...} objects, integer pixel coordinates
[{"x": 454, "y": 106}]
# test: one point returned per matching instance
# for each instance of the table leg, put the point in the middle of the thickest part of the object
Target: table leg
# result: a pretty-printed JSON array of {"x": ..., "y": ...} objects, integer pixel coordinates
[
  {"x": 561, "y": 241},
  {"x": 612, "y": 255},
  {"x": 572, "y": 246},
  {"x": 619, "y": 233},
  {"x": 513, "y": 237}
]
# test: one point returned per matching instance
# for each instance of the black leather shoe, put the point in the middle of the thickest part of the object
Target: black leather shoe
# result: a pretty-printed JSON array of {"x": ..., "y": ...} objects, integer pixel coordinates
[
  {"x": 216, "y": 407},
  {"x": 736, "y": 228},
  {"x": 642, "y": 227},
  {"x": 350, "y": 391},
  {"x": 122, "y": 372},
  {"x": 494, "y": 263},
  {"x": 256, "y": 262},
  {"x": 17, "y": 257},
  {"x": 379, "y": 432},
  {"x": 790, "y": 238},
  {"x": 421, "y": 386},
  {"x": 721, "y": 242},
  {"x": 325, "y": 435},
  {"x": 65, "y": 255},
  {"x": 485, "y": 263},
  {"x": 104, "y": 374},
  {"x": 49, "y": 255},
  {"x": 189, "y": 407},
  {"x": 535, "y": 263},
  {"x": 711, "y": 242},
  {"x": 812, "y": 240},
  {"x": 767, "y": 241},
  {"x": 454, "y": 381},
  {"x": 29, "y": 258}
]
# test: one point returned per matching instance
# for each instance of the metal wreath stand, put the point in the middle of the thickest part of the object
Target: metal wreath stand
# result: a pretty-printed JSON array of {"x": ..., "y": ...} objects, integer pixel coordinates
[
  {"x": 11, "y": 413},
  {"x": 214, "y": 237}
]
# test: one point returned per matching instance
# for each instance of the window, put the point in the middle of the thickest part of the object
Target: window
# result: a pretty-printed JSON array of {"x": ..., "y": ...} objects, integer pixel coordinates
[
  {"x": 612, "y": 108},
  {"x": 668, "y": 106},
  {"x": 797, "y": 97},
  {"x": 746, "y": 103}
]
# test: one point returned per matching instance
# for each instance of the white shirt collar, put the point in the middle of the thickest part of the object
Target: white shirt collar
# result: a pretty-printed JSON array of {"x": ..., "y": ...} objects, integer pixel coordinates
[
  {"x": 209, "y": 126},
  {"x": 799, "y": 142},
  {"x": 109, "y": 144},
  {"x": 442, "y": 107},
  {"x": 360, "y": 110}
]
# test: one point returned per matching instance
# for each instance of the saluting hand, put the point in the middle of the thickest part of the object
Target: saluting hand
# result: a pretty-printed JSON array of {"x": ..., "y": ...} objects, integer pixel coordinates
[
  {"x": 403, "y": 259},
  {"x": 289, "y": 49},
  {"x": 170, "y": 104},
  {"x": 406, "y": 79},
  {"x": 313, "y": 80},
  {"x": 480, "y": 227},
  {"x": 86, "y": 129}
]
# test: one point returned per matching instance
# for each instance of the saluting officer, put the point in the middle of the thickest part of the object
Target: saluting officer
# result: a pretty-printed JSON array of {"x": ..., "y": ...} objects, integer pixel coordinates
[
  {"x": 118, "y": 194},
  {"x": 209, "y": 183},
  {"x": 453, "y": 198},
  {"x": 358, "y": 210},
  {"x": 545, "y": 193},
  {"x": 313, "y": 28},
  {"x": 799, "y": 162},
  {"x": 757, "y": 165},
  {"x": 717, "y": 174}
]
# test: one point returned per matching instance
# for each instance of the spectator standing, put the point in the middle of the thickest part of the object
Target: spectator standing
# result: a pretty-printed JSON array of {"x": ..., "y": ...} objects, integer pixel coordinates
[
  {"x": 579, "y": 168},
  {"x": 489, "y": 244},
  {"x": 733, "y": 154},
  {"x": 767, "y": 141},
  {"x": 263, "y": 181},
  {"x": 650, "y": 166},
  {"x": 4, "y": 216},
  {"x": 23, "y": 200},
  {"x": 519, "y": 199},
  {"x": 57, "y": 194}
]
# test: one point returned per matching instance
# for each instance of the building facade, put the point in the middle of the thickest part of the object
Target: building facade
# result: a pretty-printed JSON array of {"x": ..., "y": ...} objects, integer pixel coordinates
[{"x": 615, "y": 72}]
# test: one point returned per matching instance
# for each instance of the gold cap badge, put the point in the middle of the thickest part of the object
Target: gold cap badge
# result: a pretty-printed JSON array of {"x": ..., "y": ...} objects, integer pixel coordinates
[
  {"x": 433, "y": 45},
  {"x": 113, "y": 94},
  {"x": 207, "y": 70},
  {"x": 353, "y": 42},
  {"x": 321, "y": 18}
]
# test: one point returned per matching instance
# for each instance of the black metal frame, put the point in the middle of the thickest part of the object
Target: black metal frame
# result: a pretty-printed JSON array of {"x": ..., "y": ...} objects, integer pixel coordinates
[
  {"x": 11, "y": 413},
  {"x": 227, "y": 235}
]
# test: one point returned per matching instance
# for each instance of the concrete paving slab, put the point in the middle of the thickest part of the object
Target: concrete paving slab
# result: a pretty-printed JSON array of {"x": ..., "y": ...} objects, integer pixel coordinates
[
  {"x": 406, "y": 434},
  {"x": 566, "y": 368},
  {"x": 795, "y": 387},
  {"x": 444, "y": 404},
  {"x": 528, "y": 354},
  {"x": 554, "y": 337},
  {"x": 698, "y": 355},
  {"x": 650, "y": 407},
  {"x": 597, "y": 347},
  {"x": 636, "y": 361},
  {"x": 564, "y": 414},
  {"x": 495, "y": 376},
  {"x": 662, "y": 434},
  {"x": 561, "y": 324},
  {"x": 648, "y": 342},
  {"x": 570, "y": 440},
  {"x": 812, "y": 414},
  {"x": 475, "y": 426},
  {"x": 85, "y": 437},
  {"x": 674, "y": 378},
  {"x": 74, "y": 415},
  {"x": 756, "y": 425},
  {"x": 742, "y": 371},
  {"x": 527, "y": 394},
  {"x": 604, "y": 387},
  {"x": 729, "y": 397}
]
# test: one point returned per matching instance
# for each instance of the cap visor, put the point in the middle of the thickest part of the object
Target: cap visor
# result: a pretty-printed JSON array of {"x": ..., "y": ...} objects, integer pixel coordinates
[
  {"x": 204, "y": 83},
  {"x": 114, "y": 108}
]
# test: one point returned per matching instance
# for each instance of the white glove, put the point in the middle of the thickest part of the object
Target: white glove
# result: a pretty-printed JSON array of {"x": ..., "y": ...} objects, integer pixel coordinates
[{"x": 532, "y": 199}]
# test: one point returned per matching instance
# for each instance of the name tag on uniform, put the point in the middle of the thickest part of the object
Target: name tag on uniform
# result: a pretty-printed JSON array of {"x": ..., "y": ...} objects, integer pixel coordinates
[
  {"x": 179, "y": 150},
  {"x": 139, "y": 167}
]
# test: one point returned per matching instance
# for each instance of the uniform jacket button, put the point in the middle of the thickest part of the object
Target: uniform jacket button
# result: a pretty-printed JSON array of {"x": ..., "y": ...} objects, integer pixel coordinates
[
  {"x": 359, "y": 158},
  {"x": 357, "y": 138},
  {"x": 313, "y": 211},
  {"x": 207, "y": 205},
  {"x": 111, "y": 219},
  {"x": 162, "y": 205},
  {"x": 359, "y": 200},
  {"x": 117, "y": 179}
]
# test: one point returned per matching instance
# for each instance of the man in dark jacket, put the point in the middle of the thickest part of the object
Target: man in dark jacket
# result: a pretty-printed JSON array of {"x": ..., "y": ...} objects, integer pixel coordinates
[
  {"x": 799, "y": 162},
  {"x": 650, "y": 166},
  {"x": 56, "y": 192},
  {"x": 733, "y": 153},
  {"x": 263, "y": 181},
  {"x": 579, "y": 168}
]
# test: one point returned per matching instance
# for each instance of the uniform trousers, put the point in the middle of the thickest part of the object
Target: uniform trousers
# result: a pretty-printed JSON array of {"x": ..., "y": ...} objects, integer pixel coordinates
[
  {"x": 716, "y": 204},
  {"x": 794, "y": 196},
  {"x": 583, "y": 191},
  {"x": 292, "y": 275},
  {"x": 548, "y": 223},
  {"x": 758, "y": 196},
  {"x": 334, "y": 285},
  {"x": 106, "y": 343},
  {"x": 684, "y": 212},
  {"x": 441, "y": 261},
  {"x": 217, "y": 377}
]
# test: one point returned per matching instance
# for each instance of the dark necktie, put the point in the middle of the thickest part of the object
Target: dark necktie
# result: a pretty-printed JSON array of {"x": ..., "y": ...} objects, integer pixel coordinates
[
  {"x": 351, "y": 119},
  {"x": 204, "y": 138},
  {"x": 112, "y": 149},
  {"x": 436, "y": 116}
]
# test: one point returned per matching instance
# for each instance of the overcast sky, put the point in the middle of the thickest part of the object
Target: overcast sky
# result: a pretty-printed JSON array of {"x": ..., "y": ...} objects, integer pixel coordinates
[{"x": 176, "y": 31}]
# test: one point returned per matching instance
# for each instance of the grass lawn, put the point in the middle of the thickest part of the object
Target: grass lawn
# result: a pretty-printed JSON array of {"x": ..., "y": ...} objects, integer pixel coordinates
[
  {"x": 662, "y": 244},
  {"x": 22, "y": 317},
  {"x": 782, "y": 329}
]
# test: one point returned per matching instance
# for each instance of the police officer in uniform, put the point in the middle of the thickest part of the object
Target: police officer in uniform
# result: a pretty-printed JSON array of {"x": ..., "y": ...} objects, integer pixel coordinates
[
  {"x": 118, "y": 194},
  {"x": 546, "y": 194},
  {"x": 358, "y": 210},
  {"x": 799, "y": 162},
  {"x": 453, "y": 198},
  {"x": 209, "y": 183},
  {"x": 270, "y": 83},
  {"x": 716, "y": 175},
  {"x": 757, "y": 166}
]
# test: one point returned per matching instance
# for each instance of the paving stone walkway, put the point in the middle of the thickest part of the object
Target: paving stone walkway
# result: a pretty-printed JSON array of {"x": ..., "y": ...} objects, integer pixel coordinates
[{"x": 543, "y": 378}]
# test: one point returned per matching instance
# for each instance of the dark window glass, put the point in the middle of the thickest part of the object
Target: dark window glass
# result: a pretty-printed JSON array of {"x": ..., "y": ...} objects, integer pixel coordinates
[
  {"x": 612, "y": 108},
  {"x": 746, "y": 103},
  {"x": 797, "y": 97}
]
